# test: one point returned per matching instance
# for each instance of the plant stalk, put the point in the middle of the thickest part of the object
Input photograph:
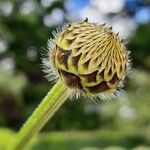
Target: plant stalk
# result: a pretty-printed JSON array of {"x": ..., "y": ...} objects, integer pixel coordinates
[{"x": 49, "y": 105}]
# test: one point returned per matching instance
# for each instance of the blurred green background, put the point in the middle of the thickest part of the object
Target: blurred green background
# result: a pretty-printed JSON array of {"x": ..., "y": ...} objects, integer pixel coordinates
[{"x": 25, "y": 27}]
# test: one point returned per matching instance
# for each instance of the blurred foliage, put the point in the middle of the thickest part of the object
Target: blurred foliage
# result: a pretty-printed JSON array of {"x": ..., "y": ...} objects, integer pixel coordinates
[
  {"x": 104, "y": 139},
  {"x": 139, "y": 46},
  {"x": 124, "y": 123}
]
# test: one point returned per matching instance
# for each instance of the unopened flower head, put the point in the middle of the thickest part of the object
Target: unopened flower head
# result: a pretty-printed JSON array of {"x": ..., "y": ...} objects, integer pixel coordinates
[{"x": 89, "y": 58}]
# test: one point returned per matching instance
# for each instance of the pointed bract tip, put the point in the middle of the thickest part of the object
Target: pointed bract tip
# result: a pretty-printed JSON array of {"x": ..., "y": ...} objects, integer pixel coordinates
[
  {"x": 117, "y": 33},
  {"x": 69, "y": 25},
  {"x": 86, "y": 20},
  {"x": 122, "y": 40},
  {"x": 104, "y": 24},
  {"x": 110, "y": 28}
]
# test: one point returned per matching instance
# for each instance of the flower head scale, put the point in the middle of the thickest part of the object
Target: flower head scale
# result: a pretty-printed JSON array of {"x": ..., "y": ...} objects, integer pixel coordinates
[{"x": 89, "y": 58}]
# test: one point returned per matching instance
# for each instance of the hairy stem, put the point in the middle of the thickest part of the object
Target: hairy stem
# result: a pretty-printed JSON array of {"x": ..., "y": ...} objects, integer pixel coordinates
[{"x": 49, "y": 105}]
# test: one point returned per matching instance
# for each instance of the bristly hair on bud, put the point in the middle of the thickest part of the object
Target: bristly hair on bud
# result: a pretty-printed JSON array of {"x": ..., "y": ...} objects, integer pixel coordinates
[{"x": 90, "y": 59}]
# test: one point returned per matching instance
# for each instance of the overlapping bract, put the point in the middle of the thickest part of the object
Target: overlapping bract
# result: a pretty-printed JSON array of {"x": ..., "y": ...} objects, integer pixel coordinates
[{"x": 90, "y": 57}]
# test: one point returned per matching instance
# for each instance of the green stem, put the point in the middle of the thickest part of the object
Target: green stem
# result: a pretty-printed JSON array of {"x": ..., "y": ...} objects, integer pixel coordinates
[{"x": 49, "y": 105}]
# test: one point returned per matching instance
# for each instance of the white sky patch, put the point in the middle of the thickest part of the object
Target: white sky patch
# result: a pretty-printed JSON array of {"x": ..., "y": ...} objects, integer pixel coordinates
[
  {"x": 124, "y": 25},
  {"x": 28, "y": 6},
  {"x": 93, "y": 14},
  {"x": 46, "y": 3},
  {"x": 56, "y": 17},
  {"x": 108, "y": 6},
  {"x": 6, "y": 8}
]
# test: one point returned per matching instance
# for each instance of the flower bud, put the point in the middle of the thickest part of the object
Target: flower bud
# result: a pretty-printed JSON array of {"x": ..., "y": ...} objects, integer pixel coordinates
[{"x": 90, "y": 57}]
